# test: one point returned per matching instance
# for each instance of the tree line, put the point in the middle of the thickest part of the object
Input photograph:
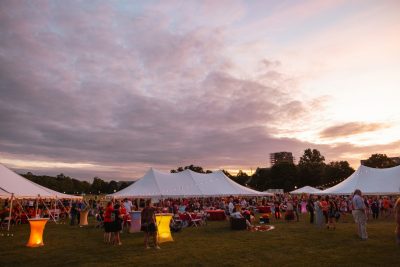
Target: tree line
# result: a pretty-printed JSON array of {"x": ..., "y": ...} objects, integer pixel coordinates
[
  {"x": 311, "y": 170},
  {"x": 68, "y": 185}
]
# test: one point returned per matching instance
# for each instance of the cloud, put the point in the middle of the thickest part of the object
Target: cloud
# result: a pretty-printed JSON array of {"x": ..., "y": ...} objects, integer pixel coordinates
[
  {"x": 351, "y": 128},
  {"x": 91, "y": 84},
  {"x": 110, "y": 89}
]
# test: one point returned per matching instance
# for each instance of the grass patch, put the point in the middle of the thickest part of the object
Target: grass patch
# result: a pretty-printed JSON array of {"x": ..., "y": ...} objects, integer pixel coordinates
[{"x": 289, "y": 244}]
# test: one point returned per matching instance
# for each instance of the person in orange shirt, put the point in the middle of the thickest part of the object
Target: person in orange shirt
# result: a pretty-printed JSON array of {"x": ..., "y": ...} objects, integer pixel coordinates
[
  {"x": 124, "y": 216},
  {"x": 324, "y": 207},
  {"x": 386, "y": 206}
]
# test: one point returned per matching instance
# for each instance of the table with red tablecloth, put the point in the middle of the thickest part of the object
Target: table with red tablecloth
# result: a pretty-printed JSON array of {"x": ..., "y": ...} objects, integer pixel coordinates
[
  {"x": 216, "y": 215},
  {"x": 264, "y": 209}
]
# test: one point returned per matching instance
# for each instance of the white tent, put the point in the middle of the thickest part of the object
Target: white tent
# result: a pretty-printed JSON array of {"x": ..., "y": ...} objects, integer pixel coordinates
[
  {"x": 156, "y": 184},
  {"x": 306, "y": 190},
  {"x": 4, "y": 194},
  {"x": 370, "y": 181},
  {"x": 20, "y": 187}
]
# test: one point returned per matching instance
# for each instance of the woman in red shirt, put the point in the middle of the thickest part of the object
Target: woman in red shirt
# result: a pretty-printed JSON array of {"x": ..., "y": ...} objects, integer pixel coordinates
[{"x": 108, "y": 222}]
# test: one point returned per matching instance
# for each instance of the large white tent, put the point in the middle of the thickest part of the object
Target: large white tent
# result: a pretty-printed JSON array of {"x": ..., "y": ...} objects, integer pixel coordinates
[
  {"x": 20, "y": 187},
  {"x": 370, "y": 181},
  {"x": 306, "y": 190},
  {"x": 156, "y": 184}
]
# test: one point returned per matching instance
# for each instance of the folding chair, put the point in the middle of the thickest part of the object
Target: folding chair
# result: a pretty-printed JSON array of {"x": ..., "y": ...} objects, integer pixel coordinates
[{"x": 194, "y": 221}]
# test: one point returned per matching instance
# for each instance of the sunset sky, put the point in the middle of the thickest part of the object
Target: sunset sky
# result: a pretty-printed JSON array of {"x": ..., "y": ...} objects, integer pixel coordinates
[{"x": 111, "y": 88}]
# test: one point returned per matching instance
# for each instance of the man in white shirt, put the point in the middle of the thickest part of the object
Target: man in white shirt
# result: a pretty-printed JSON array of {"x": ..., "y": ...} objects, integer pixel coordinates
[
  {"x": 128, "y": 205},
  {"x": 359, "y": 214},
  {"x": 231, "y": 206}
]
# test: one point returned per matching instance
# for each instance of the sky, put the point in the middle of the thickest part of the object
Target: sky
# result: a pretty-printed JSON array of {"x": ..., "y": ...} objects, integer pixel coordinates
[{"x": 112, "y": 88}]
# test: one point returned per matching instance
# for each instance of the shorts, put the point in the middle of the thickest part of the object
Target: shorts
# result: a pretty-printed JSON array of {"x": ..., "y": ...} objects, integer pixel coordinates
[
  {"x": 108, "y": 227},
  {"x": 149, "y": 228}
]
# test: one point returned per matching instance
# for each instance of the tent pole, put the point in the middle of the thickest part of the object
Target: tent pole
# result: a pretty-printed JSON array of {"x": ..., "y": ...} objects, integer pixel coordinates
[
  {"x": 22, "y": 207},
  {"x": 9, "y": 215},
  {"x": 37, "y": 206},
  {"x": 50, "y": 215}
]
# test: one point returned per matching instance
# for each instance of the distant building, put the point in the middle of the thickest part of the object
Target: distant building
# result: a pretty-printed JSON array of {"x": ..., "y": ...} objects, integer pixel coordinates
[
  {"x": 280, "y": 157},
  {"x": 396, "y": 160}
]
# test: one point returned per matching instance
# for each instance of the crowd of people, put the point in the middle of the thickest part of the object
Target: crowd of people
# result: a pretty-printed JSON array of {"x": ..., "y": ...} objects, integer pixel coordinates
[{"x": 113, "y": 216}]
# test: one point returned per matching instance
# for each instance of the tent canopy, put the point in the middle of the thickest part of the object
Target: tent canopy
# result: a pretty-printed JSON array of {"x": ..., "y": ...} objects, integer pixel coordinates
[
  {"x": 306, "y": 190},
  {"x": 370, "y": 181},
  {"x": 12, "y": 183},
  {"x": 156, "y": 184}
]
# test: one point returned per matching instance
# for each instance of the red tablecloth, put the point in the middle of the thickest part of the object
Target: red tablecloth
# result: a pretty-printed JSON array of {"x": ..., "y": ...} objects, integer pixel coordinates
[
  {"x": 264, "y": 209},
  {"x": 216, "y": 215}
]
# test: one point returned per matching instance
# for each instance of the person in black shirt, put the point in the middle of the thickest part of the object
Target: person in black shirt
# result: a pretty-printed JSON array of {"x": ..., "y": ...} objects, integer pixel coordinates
[
  {"x": 149, "y": 226},
  {"x": 310, "y": 209}
]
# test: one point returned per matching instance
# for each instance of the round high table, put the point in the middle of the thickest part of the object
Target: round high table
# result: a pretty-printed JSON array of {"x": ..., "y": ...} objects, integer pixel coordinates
[
  {"x": 216, "y": 215},
  {"x": 163, "y": 230},
  {"x": 84, "y": 218},
  {"x": 136, "y": 223},
  {"x": 36, "y": 236}
]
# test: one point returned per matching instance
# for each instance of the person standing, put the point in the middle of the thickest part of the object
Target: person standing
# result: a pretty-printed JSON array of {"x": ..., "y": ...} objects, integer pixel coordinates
[
  {"x": 359, "y": 214},
  {"x": 310, "y": 209},
  {"x": 324, "y": 207},
  {"x": 397, "y": 218},
  {"x": 109, "y": 218},
  {"x": 318, "y": 211},
  {"x": 117, "y": 224},
  {"x": 128, "y": 205},
  {"x": 332, "y": 211},
  {"x": 149, "y": 226},
  {"x": 73, "y": 213},
  {"x": 375, "y": 208}
]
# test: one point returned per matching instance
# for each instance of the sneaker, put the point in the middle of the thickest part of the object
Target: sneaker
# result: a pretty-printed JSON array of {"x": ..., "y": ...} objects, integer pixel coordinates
[
  {"x": 147, "y": 247},
  {"x": 157, "y": 247}
]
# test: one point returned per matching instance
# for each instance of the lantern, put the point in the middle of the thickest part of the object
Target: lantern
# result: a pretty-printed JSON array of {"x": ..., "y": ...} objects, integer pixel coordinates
[
  {"x": 163, "y": 230},
  {"x": 37, "y": 228},
  {"x": 136, "y": 223},
  {"x": 83, "y": 218}
]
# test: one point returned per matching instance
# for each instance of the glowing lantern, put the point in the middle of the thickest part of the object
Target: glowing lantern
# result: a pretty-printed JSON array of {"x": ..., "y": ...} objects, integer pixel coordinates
[
  {"x": 163, "y": 230},
  {"x": 136, "y": 223},
  {"x": 37, "y": 228},
  {"x": 83, "y": 218}
]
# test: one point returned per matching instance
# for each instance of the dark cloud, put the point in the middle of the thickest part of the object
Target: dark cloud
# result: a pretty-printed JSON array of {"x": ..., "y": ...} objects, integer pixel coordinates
[
  {"x": 351, "y": 128},
  {"x": 93, "y": 83}
]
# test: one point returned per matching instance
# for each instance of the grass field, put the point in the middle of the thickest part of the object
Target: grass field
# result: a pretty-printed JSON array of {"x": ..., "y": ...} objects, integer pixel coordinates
[{"x": 289, "y": 244}]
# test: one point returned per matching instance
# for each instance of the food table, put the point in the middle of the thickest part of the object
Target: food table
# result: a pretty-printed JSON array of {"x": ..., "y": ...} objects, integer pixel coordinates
[
  {"x": 136, "y": 222},
  {"x": 36, "y": 236},
  {"x": 216, "y": 215},
  {"x": 264, "y": 209},
  {"x": 163, "y": 230},
  {"x": 83, "y": 218}
]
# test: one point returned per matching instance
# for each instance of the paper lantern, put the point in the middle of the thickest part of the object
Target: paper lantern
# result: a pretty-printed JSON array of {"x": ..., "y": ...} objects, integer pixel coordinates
[
  {"x": 83, "y": 218},
  {"x": 136, "y": 223},
  {"x": 37, "y": 228},
  {"x": 163, "y": 231}
]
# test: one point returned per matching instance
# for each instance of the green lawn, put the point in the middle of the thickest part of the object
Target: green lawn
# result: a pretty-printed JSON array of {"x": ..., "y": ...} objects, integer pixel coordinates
[{"x": 290, "y": 244}]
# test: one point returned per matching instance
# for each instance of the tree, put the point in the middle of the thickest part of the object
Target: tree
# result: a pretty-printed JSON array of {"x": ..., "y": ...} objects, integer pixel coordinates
[
  {"x": 260, "y": 179},
  {"x": 380, "y": 161},
  {"x": 99, "y": 186},
  {"x": 283, "y": 176},
  {"x": 192, "y": 168},
  {"x": 227, "y": 173},
  {"x": 336, "y": 171},
  {"x": 311, "y": 168},
  {"x": 113, "y": 185},
  {"x": 241, "y": 178}
]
